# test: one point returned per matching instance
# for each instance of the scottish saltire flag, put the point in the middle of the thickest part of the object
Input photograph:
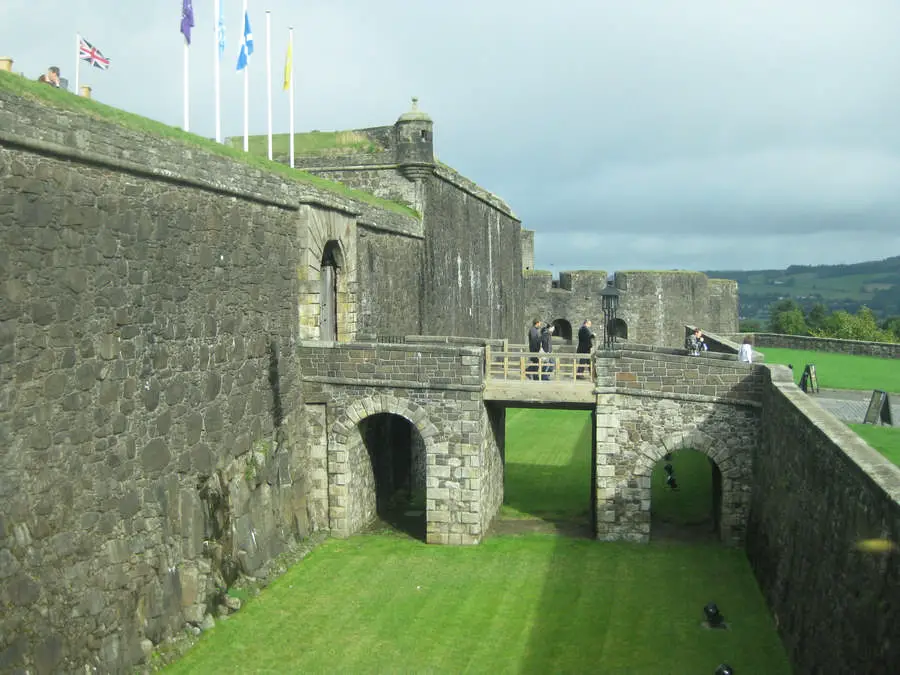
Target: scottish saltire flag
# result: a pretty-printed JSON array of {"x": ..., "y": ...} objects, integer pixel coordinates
[
  {"x": 187, "y": 19},
  {"x": 88, "y": 52},
  {"x": 246, "y": 44},
  {"x": 220, "y": 32}
]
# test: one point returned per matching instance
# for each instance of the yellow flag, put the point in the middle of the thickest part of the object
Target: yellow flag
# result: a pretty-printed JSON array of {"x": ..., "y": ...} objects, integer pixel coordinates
[{"x": 288, "y": 65}]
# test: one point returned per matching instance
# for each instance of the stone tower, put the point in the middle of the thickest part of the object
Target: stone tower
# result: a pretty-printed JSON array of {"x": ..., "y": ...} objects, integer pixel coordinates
[{"x": 415, "y": 143}]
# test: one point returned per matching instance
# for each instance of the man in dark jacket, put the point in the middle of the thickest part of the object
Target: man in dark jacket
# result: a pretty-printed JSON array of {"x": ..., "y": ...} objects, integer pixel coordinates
[
  {"x": 585, "y": 345},
  {"x": 547, "y": 347},
  {"x": 534, "y": 345}
]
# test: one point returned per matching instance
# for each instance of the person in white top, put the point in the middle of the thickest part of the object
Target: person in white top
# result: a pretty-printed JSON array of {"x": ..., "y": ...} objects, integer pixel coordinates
[{"x": 746, "y": 352}]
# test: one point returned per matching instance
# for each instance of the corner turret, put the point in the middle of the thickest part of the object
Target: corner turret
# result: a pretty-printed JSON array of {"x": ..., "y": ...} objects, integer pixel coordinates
[{"x": 413, "y": 133}]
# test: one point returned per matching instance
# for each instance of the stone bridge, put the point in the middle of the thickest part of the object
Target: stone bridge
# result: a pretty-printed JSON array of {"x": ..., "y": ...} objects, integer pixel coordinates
[{"x": 444, "y": 401}]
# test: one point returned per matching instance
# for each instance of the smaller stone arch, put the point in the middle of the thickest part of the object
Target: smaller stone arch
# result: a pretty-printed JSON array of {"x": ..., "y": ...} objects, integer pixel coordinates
[
  {"x": 731, "y": 473},
  {"x": 562, "y": 330},
  {"x": 348, "y": 458},
  {"x": 618, "y": 328},
  {"x": 328, "y": 240}
]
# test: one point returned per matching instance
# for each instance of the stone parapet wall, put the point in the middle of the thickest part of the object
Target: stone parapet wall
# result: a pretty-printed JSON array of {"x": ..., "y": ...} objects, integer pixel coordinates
[
  {"x": 97, "y": 141},
  {"x": 886, "y": 350},
  {"x": 818, "y": 490},
  {"x": 392, "y": 365},
  {"x": 717, "y": 379}
]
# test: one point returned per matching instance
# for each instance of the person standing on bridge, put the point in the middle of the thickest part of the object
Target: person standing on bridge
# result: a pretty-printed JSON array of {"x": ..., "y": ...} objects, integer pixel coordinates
[
  {"x": 585, "y": 345},
  {"x": 746, "y": 352},
  {"x": 534, "y": 345},
  {"x": 547, "y": 348}
]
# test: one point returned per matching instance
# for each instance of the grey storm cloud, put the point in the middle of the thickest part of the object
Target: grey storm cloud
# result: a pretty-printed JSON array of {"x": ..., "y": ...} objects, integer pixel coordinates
[{"x": 697, "y": 134}]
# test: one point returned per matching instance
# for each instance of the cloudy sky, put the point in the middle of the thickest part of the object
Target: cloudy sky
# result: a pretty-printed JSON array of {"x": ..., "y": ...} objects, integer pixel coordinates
[{"x": 651, "y": 134}]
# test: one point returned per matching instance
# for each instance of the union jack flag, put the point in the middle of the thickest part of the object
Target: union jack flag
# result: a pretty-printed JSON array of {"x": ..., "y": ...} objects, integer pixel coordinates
[{"x": 88, "y": 52}]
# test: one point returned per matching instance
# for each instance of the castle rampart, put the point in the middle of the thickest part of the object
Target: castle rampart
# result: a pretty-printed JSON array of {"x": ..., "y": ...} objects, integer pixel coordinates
[{"x": 171, "y": 416}]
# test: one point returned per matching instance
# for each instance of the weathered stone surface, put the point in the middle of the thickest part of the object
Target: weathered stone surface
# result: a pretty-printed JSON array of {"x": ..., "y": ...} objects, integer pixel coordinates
[{"x": 818, "y": 490}]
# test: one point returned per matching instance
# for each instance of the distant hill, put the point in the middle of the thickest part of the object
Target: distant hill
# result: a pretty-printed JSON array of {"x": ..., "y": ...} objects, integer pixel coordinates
[{"x": 875, "y": 284}]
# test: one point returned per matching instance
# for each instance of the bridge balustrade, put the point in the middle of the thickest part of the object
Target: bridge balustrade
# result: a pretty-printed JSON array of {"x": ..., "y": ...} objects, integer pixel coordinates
[{"x": 521, "y": 365}]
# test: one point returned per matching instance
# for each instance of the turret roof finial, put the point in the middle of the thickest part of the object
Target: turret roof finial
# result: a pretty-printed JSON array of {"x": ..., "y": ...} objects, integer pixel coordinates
[{"x": 414, "y": 114}]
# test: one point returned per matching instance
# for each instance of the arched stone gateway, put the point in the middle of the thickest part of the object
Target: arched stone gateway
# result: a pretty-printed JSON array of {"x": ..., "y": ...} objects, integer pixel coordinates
[
  {"x": 731, "y": 479},
  {"x": 351, "y": 478},
  {"x": 636, "y": 432}
]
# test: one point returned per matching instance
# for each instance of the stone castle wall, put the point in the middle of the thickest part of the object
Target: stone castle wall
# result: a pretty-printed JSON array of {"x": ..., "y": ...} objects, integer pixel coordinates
[
  {"x": 148, "y": 393},
  {"x": 657, "y": 305},
  {"x": 885, "y": 350},
  {"x": 473, "y": 266},
  {"x": 818, "y": 490},
  {"x": 654, "y": 306}
]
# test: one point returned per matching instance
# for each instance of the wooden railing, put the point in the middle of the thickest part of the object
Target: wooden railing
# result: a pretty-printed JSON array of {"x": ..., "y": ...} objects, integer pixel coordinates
[{"x": 525, "y": 366}]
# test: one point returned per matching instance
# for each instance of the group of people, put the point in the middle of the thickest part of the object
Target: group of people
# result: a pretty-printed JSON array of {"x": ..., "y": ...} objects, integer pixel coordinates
[
  {"x": 540, "y": 340},
  {"x": 53, "y": 78},
  {"x": 695, "y": 344}
]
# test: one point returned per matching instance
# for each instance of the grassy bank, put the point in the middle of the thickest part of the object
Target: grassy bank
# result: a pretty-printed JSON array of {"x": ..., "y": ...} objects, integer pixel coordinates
[{"x": 64, "y": 100}]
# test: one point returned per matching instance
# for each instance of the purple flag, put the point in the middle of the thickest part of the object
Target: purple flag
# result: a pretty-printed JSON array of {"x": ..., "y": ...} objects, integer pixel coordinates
[{"x": 187, "y": 19}]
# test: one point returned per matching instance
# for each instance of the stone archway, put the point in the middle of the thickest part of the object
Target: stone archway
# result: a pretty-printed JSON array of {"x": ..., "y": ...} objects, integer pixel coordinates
[
  {"x": 618, "y": 328},
  {"x": 328, "y": 243},
  {"x": 731, "y": 480},
  {"x": 563, "y": 330},
  {"x": 351, "y": 489}
]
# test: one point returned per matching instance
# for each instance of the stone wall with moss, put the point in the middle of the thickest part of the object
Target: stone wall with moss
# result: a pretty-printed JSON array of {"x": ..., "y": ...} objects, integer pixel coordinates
[{"x": 152, "y": 441}]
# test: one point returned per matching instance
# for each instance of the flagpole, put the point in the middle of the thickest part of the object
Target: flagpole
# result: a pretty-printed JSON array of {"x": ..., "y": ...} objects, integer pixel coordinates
[
  {"x": 77, "y": 63},
  {"x": 291, "y": 47},
  {"x": 217, "y": 57},
  {"x": 269, "y": 77},
  {"x": 246, "y": 89},
  {"x": 187, "y": 104}
]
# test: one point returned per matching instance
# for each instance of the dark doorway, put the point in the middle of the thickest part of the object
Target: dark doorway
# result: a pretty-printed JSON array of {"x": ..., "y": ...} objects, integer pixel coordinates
[
  {"x": 686, "y": 498},
  {"x": 397, "y": 453},
  {"x": 563, "y": 330},
  {"x": 618, "y": 328},
  {"x": 330, "y": 266}
]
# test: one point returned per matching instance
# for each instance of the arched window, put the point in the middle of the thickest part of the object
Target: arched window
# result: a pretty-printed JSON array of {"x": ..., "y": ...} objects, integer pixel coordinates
[{"x": 332, "y": 260}]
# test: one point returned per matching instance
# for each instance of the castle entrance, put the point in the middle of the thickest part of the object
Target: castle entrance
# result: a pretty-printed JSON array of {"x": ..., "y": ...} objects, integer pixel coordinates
[
  {"x": 686, "y": 497},
  {"x": 396, "y": 454}
]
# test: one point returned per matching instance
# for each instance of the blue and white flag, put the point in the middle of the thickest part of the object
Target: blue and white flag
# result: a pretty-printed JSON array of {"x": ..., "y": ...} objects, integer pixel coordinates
[
  {"x": 221, "y": 31},
  {"x": 246, "y": 45}
]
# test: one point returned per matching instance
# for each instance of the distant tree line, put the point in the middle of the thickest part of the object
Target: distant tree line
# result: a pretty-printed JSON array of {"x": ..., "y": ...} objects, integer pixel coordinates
[{"x": 788, "y": 317}]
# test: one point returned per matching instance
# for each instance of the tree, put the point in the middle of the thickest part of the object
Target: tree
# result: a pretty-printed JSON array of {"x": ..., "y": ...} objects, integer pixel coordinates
[
  {"x": 892, "y": 325},
  {"x": 786, "y": 318},
  {"x": 750, "y": 326},
  {"x": 815, "y": 318},
  {"x": 859, "y": 326}
]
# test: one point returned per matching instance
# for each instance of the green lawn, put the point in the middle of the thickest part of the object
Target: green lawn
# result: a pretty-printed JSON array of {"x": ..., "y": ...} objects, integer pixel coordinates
[
  {"x": 885, "y": 440},
  {"x": 64, "y": 100},
  {"x": 534, "y": 603},
  {"x": 841, "y": 371},
  {"x": 691, "y": 503},
  {"x": 312, "y": 143},
  {"x": 548, "y": 464}
]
